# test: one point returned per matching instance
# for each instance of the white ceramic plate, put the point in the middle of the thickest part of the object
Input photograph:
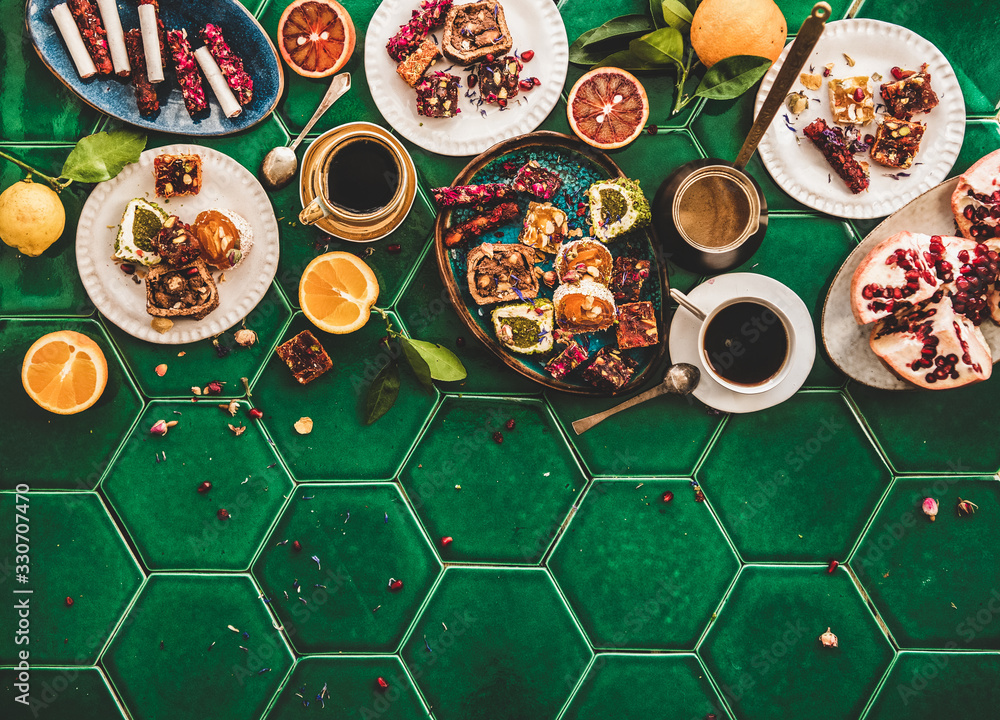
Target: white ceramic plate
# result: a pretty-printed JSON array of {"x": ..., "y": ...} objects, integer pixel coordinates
[
  {"x": 534, "y": 25},
  {"x": 846, "y": 342},
  {"x": 225, "y": 184},
  {"x": 801, "y": 170},
  {"x": 684, "y": 340}
]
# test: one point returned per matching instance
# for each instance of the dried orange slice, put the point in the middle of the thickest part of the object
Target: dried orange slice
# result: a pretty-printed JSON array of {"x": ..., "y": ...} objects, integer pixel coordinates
[
  {"x": 64, "y": 372},
  {"x": 607, "y": 108},
  {"x": 316, "y": 37},
  {"x": 337, "y": 291}
]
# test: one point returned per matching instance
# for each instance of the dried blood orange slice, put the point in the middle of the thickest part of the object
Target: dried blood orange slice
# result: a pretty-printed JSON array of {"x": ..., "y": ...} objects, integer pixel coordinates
[
  {"x": 316, "y": 37},
  {"x": 607, "y": 108}
]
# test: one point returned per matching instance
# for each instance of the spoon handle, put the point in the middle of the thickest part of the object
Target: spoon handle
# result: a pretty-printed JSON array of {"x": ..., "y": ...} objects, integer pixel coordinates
[
  {"x": 338, "y": 86},
  {"x": 583, "y": 425},
  {"x": 685, "y": 303},
  {"x": 802, "y": 46}
]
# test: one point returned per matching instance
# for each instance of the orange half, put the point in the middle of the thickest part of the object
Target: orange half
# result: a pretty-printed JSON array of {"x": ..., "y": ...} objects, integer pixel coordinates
[
  {"x": 337, "y": 291},
  {"x": 64, "y": 372}
]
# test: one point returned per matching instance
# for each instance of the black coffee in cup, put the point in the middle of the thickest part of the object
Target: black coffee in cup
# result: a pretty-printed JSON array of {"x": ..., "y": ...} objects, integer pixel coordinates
[
  {"x": 363, "y": 176},
  {"x": 746, "y": 343}
]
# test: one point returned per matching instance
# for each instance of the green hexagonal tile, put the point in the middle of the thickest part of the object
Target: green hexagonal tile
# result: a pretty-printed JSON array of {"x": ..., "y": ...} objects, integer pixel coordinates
[
  {"x": 198, "y": 364},
  {"x": 474, "y": 652},
  {"x": 640, "y": 572},
  {"x": 340, "y": 446},
  {"x": 936, "y": 584},
  {"x": 796, "y": 11},
  {"x": 173, "y": 525},
  {"x": 50, "y": 283},
  {"x": 765, "y": 653},
  {"x": 363, "y": 535},
  {"x": 671, "y": 687},
  {"x": 796, "y": 482},
  {"x": 85, "y": 441},
  {"x": 665, "y": 436},
  {"x": 73, "y": 551},
  {"x": 352, "y": 689},
  {"x": 821, "y": 245},
  {"x": 501, "y": 502},
  {"x": 58, "y": 694},
  {"x": 913, "y": 429},
  {"x": 968, "y": 47},
  {"x": 176, "y": 654},
  {"x": 928, "y": 686}
]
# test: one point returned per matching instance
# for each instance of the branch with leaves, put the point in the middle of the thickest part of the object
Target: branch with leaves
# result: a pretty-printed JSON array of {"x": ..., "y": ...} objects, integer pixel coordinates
[
  {"x": 660, "y": 43},
  {"x": 94, "y": 159},
  {"x": 428, "y": 360}
]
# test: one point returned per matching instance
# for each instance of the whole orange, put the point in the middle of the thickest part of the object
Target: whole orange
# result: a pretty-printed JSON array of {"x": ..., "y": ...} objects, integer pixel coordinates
[{"x": 723, "y": 28}]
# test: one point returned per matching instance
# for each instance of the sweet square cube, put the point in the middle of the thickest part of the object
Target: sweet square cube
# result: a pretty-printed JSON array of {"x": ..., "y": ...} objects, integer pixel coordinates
[
  {"x": 910, "y": 94},
  {"x": 305, "y": 357},
  {"x": 536, "y": 180},
  {"x": 851, "y": 100},
  {"x": 897, "y": 143},
  {"x": 415, "y": 65},
  {"x": 629, "y": 275},
  {"x": 437, "y": 96},
  {"x": 177, "y": 175},
  {"x": 565, "y": 362},
  {"x": 637, "y": 325},
  {"x": 498, "y": 79},
  {"x": 610, "y": 370}
]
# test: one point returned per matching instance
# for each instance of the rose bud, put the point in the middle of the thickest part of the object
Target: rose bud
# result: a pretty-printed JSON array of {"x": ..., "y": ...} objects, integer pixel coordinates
[
  {"x": 828, "y": 639},
  {"x": 966, "y": 507},
  {"x": 930, "y": 508}
]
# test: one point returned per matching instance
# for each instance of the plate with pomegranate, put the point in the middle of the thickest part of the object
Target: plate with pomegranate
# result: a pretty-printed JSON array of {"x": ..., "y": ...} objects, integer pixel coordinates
[
  {"x": 917, "y": 304},
  {"x": 876, "y": 168},
  {"x": 497, "y": 96}
]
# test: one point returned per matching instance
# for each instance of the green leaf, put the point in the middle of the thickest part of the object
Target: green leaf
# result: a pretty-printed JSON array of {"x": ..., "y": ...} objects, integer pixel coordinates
[
  {"x": 657, "y": 13},
  {"x": 675, "y": 14},
  {"x": 733, "y": 76},
  {"x": 627, "y": 61},
  {"x": 619, "y": 31},
  {"x": 417, "y": 362},
  {"x": 579, "y": 54},
  {"x": 382, "y": 393},
  {"x": 442, "y": 363},
  {"x": 663, "y": 47},
  {"x": 100, "y": 157}
]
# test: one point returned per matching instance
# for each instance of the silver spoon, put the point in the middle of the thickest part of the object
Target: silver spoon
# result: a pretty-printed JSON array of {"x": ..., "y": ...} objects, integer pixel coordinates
[
  {"x": 686, "y": 303},
  {"x": 280, "y": 164},
  {"x": 681, "y": 379}
]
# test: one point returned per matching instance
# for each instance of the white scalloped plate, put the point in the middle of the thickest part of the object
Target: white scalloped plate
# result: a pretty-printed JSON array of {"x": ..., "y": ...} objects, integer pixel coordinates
[
  {"x": 225, "y": 184},
  {"x": 801, "y": 170},
  {"x": 534, "y": 24}
]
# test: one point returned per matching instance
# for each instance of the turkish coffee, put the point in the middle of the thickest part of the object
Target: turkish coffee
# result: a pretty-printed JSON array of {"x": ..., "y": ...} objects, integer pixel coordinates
[
  {"x": 714, "y": 211},
  {"x": 363, "y": 176},
  {"x": 746, "y": 343}
]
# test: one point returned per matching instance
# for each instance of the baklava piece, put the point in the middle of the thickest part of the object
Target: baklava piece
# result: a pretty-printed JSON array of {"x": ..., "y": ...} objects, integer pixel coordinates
[
  {"x": 305, "y": 357},
  {"x": 852, "y": 101},
  {"x": 412, "y": 69},
  {"x": 897, "y": 143}
]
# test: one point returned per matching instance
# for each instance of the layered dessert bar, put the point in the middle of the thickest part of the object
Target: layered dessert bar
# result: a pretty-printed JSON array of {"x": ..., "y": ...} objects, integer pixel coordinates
[
  {"x": 617, "y": 207},
  {"x": 188, "y": 76},
  {"x": 437, "y": 96},
  {"x": 145, "y": 93},
  {"x": 610, "y": 370},
  {"x": 305, "y": 357},
  {"x": 525, "y": 327},
  {"x": 475, "y": 30},
  {"x": 637, "y": 325},
  {"x": 910, "y": 94},
  {"x": 627, "y": 279},
  {"x": 536, "y": 180},
  {"x": 833, "y": 145},
  {"x": 545, "y": 227},
  {"x": 479, "y": 224},
  {"x": 186, "y": 291},
  {"x": 407, "y": 39},
  {"x": 585, "y": 306},
  {"x": 177, "y": 175},
  {"x": 141, "y": 223},
  {"x": 468, "y": 195},
  {"x": 585, "y": 258},
  {"x": 568, "y": 360},
  {"x": 897, "y": 143},
  {"x": 851, "y": 100},
  {"x": 416, "y": 63},
  {"x": 498, "y": 80},
  {"x": 94, "y": 35},
  {"x": 175, "y": 242},
  {"x": 497, "y": 273},
  {"x": 229, "y": 63}
]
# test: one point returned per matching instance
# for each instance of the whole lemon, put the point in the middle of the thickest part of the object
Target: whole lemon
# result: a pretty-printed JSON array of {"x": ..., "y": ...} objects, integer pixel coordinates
[
  {"x": 723, "y": 28},
  {"x": 32, "y": 217}
]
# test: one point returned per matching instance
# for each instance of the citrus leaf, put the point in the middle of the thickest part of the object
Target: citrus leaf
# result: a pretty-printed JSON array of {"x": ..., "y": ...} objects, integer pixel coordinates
[
  {"x": 441, "y": 362},
  {"x": 675, "y": 15},
  {"x": 100, "y": 157},
  {"x": 580, "y": 55},
  {"x": 733, "y": 76},
  {"x": 382, "y": 393},
  {"x": 662, "y": 47},
  {"x": 658, "y": 15},
  {"x": 625, "y": 60},
  {"x": 417, "y": 362},
  {"x": 619, "y": 30}
]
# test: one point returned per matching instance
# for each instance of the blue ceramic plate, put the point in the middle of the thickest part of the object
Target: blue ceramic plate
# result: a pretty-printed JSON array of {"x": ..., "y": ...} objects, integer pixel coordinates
[
  {"x": 116, "y": 97},
  {"x": 579, "y": 166}
]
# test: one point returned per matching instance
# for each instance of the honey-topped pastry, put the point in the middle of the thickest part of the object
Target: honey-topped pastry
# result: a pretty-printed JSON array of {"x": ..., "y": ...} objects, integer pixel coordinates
[
  {"x": 224, "y": 236},
  {"x": 545, "y": 227},
  {"x": 852, "y": 100},
  {"x": 585, "y": 306},
  {"x": 584, "y": 258}
]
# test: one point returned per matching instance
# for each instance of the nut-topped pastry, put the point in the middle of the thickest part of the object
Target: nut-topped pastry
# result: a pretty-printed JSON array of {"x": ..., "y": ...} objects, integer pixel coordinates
[
  {"x": 584, "y": 258},
  {"x": 501, "y": 272},
  {"x": 584, "y": 307},
  {"x": 175, "y": 242},
  {"x": 187, "y": 291},
  {"x": 897, "y": 143},
  {"x": 177, "y": 175},
  {"x": 851, "y": 100},
  {"x": 545, "y": 227},
  {"x": 475, "y": 30}
]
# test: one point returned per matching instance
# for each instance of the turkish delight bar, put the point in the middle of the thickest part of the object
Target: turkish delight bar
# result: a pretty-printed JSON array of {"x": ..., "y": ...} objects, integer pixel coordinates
[
  {"x": 568, "y": 360},
  {"x": 610, "y": 370},
  {"x": 910, "y": 94},
  {"x": 832, "y": 143},
  {"x": 229, "y": 63},
  {"x": 637, "y": 325},
  {"x": 188, "y": 76},
  {"x": 73, "y": 38},
  {"x": 468, "y": 195},
  {"x": 407, "y": 39},
  {"x": 145, "y": 93},
  {"x": 627, "y": 279},
  {"x": 897, "y": 143},
  {"x": 536, "y": 180},
  {"x": 94, "y": 35},
  {"x": 412, "y": 68},
  {"x": 305, "y": 357}
]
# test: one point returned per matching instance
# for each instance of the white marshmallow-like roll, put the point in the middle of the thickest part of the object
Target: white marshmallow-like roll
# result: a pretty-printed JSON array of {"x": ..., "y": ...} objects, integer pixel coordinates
[
  {"x": 213, "y": 73},
  {"x": 116, "y": 37},
  {"x": 151, "y": 43},
  {"x": 74, "y": 41}
]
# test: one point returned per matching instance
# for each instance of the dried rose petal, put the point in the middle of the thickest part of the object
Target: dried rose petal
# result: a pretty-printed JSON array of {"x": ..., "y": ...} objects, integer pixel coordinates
[
  {"x": 930, "y": 508},
  {"x": 304, "y": 426},
  {"x": 828, "y": 639}
]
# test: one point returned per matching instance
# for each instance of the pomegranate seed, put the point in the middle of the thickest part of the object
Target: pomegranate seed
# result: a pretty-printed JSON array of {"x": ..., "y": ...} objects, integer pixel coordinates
[
  {"x": 69, "y": 602},
  {"x": 510, "y": 424},
  {"x": 128, "y": 268},
  {"x": 393, "y": 249},
  {"x": 223, "y": 514},
  {"x": 204, "y": 487},
  {"x": 652, "y": 130},
  {"x": 446, "y": 541},
  {"x": 897, "y": 73},
  {"x": 527, "y": 55},
  {"x": 460, "y": 341},
  {"x": 536, "y": 82},
  {"x": 297, "y": 546},
  {"x": 859, "y": 95},
  {"x": 472, "y": 80},
  {"x": 255, "y": 413},
  {"x": 525, "y": 85},
  {"x": 395, "y": 585},
  {"x": 383, "y": 685},
  {"x": 498, "y": 437},
  {"x": 870, "y": 139},
  {"x": 502, "y": 102},
  {"x": 667, "y": 496},
  {"x": 827, "y": 71},
  {"x": 214, "y": 388},
  {"x": 832, "y": 566}
]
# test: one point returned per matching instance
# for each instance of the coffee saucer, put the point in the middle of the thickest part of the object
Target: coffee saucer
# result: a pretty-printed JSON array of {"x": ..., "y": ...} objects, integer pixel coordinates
[
  {"x": 312, "y": 166},
  {"x": 684, "y": 330}
]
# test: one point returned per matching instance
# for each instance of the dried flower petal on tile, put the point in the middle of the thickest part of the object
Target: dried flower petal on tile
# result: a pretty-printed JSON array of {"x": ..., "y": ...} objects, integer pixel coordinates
[{"x": 304, "y": 426}]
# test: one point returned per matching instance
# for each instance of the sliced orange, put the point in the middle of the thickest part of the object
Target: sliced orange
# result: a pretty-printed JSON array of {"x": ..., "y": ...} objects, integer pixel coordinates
[
  {"x": 64, "y": 372},
  {"x": 316, "y": 37},
  {"x": 607, "y": 108},
  {"x": 337, "y": 291}
]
